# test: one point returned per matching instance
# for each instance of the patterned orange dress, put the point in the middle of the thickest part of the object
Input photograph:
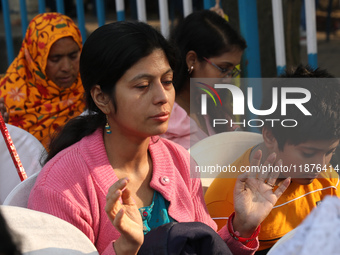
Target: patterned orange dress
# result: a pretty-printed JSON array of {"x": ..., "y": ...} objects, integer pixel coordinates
[{"x": 35, "y": 102}]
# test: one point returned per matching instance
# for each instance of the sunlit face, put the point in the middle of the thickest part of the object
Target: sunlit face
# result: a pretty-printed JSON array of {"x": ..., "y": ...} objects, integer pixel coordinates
[
  {"x": 63, "y": 62},
  {"x": 314, "y": 153},
  {"x": 144, "y": 97},
  {"x": 228, "y": 61}
]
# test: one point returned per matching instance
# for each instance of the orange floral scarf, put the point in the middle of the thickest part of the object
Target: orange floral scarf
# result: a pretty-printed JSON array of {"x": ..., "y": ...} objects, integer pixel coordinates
[{"x": 35, "y": 103}]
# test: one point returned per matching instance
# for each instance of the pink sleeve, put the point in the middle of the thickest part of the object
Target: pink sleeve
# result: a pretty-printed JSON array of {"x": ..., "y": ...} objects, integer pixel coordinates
[
  {"x": 202, "y": 215},
  {"x": 67, "y": 208},
  {"x": 109, "y": 250},
  {"x": 237, "y": 247}
]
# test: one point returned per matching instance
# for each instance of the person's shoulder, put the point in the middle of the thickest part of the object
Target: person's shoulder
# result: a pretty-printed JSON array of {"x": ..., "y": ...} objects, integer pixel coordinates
[
  {"x": 70, "y": 169},
  {"x": 237, "y": 167},
  {"x": 74, "y": 153},
  {"x": 65, "y": 157},
  {"x": 221, "y": 189},
  {"x": 67, "y": 167},
  {"x": 244, "y": 159},
  {"x": 330, "y": 175}
]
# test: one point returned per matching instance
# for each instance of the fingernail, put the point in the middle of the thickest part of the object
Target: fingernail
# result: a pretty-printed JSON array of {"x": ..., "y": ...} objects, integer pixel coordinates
[
  {"x": 279, "y": 163},
  {"x": 125, "y": 179},
  {"x": 258, "y": 152},
  {"x": 272, "y": 156}
]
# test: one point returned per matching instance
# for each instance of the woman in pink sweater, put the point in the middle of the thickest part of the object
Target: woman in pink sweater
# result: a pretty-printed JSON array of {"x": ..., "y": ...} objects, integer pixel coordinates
[{"x": 109, "y": 174}]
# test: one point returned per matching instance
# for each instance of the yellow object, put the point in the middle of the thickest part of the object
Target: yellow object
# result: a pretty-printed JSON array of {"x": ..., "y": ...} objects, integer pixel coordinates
[
  {"x": 289, "y": 211},
  {"x": 35, "y": 103}
]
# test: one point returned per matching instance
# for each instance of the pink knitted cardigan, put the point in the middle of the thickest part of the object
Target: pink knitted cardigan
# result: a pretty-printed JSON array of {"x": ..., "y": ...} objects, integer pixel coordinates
[{"x": 73, "y": 186}]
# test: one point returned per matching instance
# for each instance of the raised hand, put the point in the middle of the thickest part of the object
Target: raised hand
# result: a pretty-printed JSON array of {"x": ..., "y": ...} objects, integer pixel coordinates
[
  {"x": 254, "y": 197},
  {"x": 125, "y": 217},
  {"x": 217, "y": 9},
  {"x": 3, "y": 110}
]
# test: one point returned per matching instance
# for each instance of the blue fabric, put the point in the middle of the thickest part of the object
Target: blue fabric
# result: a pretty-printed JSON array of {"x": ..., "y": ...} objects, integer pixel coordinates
[{"x": 156, "y": 214}]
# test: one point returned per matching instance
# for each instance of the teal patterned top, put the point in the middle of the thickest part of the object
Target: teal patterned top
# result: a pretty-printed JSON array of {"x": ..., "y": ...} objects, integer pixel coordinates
[{"x": 156, "y": 214}]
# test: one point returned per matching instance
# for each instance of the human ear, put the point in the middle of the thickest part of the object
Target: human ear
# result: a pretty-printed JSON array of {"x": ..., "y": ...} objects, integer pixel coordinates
[
  {"x": 269, "y": 139},
  {"x": 101, "y": 99},
  {"x": 191, "y": 59}
]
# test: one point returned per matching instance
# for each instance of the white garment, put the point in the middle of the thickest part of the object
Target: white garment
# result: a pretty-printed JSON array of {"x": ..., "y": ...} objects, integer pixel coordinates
[
  {"x": 41, "y": 233},
  {"x": 318, "y": 234},
  {"x": 29, "y": 150}
]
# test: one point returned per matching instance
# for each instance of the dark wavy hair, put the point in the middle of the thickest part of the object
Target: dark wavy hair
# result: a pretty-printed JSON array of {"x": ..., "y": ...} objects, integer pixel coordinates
[{"x": 324, "y": 105}]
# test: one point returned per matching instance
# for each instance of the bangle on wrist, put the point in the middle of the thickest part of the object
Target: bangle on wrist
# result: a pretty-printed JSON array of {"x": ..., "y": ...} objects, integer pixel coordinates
[{"x": 236, "y": 236}]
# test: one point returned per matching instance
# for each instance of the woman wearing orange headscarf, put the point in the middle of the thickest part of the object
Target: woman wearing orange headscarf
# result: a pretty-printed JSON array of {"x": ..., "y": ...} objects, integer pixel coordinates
[{"x": 42, "y": 88}]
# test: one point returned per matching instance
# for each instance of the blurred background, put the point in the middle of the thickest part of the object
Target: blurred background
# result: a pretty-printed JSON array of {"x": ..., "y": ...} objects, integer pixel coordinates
[{"x": 327, "y": 18}]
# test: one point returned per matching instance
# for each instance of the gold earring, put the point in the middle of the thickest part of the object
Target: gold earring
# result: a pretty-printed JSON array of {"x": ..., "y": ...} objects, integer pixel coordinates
[
  {"x": 190, "y": 69},
  {"x": 107, "y": 126}
]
